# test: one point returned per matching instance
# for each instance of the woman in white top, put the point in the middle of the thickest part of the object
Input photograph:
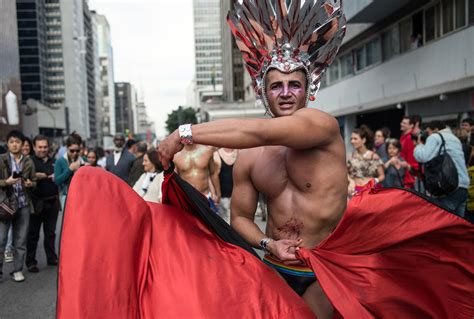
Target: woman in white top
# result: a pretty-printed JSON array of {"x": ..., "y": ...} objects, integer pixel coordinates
[{"x": 148, "y": 185}]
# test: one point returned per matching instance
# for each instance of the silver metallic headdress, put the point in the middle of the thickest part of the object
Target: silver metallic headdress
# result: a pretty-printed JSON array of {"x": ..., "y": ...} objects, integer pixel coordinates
[{"x": 298, "y": 36}]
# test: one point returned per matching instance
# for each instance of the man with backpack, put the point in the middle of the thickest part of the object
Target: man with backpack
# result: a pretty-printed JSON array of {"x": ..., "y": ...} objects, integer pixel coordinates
[{"x": 446, "y": 177}]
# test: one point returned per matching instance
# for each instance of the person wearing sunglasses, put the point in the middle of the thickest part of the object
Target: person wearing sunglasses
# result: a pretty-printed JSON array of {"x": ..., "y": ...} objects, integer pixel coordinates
[{"x": 68, "y": 164}]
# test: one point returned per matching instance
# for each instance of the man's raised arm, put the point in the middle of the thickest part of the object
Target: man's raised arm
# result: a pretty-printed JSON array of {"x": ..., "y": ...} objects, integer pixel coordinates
[{"x": 306, "y": 128}]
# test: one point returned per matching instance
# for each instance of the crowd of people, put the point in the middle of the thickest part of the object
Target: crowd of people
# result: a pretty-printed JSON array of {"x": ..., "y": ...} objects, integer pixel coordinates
[
  {"x": 37, "y": 177},
  {"x": 404, "y": 162}
]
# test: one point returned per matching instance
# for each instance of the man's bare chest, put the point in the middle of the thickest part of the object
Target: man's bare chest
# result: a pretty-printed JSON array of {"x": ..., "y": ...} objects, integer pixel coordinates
[
  {"x": 280, "y": 170},
  {"x": 191, "y": 161}
]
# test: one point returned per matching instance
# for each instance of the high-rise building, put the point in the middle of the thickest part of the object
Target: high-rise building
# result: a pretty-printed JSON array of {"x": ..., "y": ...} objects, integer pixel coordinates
[
  {"x": 232, "y": 62},
  {"x": 91, "y": 34},
  {"x": 144, "y": 126},
  {"x": 125, "y": 103},
  {"x": 10, "y": 84},
  {"x": 399, "y": 60},
  {"x": 106, "y": 75},
  {"x": 75, "y": 71},
  {"x": 41, "y": 66},
  {"x": 207, "y": 40}
]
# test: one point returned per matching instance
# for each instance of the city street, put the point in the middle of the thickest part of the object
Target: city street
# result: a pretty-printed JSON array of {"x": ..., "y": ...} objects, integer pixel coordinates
[{"x": 35, "y": 298}]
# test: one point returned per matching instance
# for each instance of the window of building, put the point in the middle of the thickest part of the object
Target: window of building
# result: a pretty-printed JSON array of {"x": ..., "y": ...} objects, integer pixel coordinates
[
  {"x": 360, "y": 58},
  {"x": 406, "y": 31},
  {"x": 448, "y": 16},
  {"x": 347, "y": 65},
  {"x": 461, "y": 9},
  {"x": 373, "y": 52},
  {"x": 471, "y": 11},
  {"x": 390, "y": 43},
  {"x": 430, "y": 24},
  {"x": 334, "y": 71}
]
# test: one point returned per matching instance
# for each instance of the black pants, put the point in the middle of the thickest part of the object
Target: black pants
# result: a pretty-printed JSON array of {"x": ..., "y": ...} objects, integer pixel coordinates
[{"x": 46, "y": 213}]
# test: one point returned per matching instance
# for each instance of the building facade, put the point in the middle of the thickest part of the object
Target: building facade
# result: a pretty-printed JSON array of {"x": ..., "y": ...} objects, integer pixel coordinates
[
  {"x": 90, "y": 33},
  {"x": 125, "y": 103},
  {"x": 42, "y": 67},
  {"x": 207, "y": 39},
  {"x": 106, "y": 76},
  {"x": 399, "y": 60},
  {"x": 10, "y": 83},
  {"x": 75, "y": 71}
]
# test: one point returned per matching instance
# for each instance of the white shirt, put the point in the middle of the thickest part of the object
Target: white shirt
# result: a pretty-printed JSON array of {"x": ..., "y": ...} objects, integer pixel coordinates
[{"x": 117, "y": 155}]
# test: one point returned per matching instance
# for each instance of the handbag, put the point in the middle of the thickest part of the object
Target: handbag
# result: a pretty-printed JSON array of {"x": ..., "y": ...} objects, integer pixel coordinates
[
  {"x": 9, "y": 206},
  {"x": 441, "y": 175}
]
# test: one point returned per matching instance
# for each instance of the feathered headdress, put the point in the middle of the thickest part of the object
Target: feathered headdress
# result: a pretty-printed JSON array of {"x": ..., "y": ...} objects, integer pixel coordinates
[{"x": 298, "y": 36}]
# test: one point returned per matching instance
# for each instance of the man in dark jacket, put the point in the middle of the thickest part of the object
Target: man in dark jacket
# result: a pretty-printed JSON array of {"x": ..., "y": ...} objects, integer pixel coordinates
[
  {"x": 46, "y": 206},
  {"x": 17, "y": 175},
  {"x": 120, "y": 161},
  {"x": 137, "y": 167}
]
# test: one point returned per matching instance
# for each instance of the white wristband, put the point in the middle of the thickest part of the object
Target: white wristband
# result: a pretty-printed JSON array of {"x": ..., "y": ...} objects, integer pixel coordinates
[{"x": 185, "y": 134}]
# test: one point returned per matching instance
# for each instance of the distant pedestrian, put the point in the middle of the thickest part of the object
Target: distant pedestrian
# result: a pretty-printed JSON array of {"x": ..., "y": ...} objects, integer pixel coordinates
[
  {"x": 137, "y": 167},
  {"x": 381, "y": 136},
  {"x": 66, "y": 166},
  {"x": 46, "y": 206},
  {"x": 364, "y": 164},
  {"x": 101, "y": 157},
  {"x": 121, "y": 160},
  {"x": 27, "y": 148},
  {"x": 456, "y": 200},
  {"x": 225, "y": 159},
  {"x": 468, "y": 125},
  {"x": 407, "y": 127},
  {"x": 131, "y": 146},
  {"x": 396, "y": 166},
  {"x": 92, "y": 158},
  {"x": 17, "y": 177},
  {"x": 463, "y": 136},
  {"x": 148, "y": 185}
]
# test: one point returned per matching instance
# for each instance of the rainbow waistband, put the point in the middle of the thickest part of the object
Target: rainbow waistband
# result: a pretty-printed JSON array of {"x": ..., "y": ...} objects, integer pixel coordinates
[{"x": 300, "y": 271}]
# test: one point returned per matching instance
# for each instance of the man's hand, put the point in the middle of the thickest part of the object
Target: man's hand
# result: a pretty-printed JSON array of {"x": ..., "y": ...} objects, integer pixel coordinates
[
  {"x": 28, "y": 183},
  {"x": 41, "y": 175},
  {"x": 168, "y": 147},
  {"x": 75, "y": 165},
  {"x": 285, "y": 250},
  {"x": 51, "y": 177},
  {"x": 10, "y": 181}
]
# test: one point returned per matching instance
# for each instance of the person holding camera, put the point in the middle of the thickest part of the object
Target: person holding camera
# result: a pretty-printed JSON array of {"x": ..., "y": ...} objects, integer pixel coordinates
[
  {"x": 439, "y": 134},
  {"x": 67, "y": 165},
  {"x": 17, "y": 176}
]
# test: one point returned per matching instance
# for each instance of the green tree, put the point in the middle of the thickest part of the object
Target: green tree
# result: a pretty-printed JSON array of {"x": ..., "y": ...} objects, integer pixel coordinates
[{"x": 180, "y": 116}]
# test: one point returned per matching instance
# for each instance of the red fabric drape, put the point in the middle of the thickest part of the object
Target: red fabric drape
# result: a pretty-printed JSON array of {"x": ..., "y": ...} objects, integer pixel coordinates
[
  {"x": 123, "y": 258},
  {"x": 393, "y": 255}
]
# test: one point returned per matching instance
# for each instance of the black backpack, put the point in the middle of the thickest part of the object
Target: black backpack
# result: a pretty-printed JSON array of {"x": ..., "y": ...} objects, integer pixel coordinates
[{"x": 441, "y": 175}]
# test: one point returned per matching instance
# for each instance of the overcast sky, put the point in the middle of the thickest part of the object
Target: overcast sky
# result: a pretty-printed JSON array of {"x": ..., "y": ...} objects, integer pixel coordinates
[{"x": 153, "y": 49}]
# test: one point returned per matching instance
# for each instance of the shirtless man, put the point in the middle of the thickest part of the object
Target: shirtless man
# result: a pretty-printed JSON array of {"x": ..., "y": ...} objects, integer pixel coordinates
[
  {"x": 195, "y": 164},
  {"x": 296, "y": 159}
]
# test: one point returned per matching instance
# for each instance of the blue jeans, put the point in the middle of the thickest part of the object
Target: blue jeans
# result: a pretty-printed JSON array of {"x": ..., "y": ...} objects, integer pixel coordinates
[
  {"x": 19, "y": 224},
  {"x": 456, "y": 201}
]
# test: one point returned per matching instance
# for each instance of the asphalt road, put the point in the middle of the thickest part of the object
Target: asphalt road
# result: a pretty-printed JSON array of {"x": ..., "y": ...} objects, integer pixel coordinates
[{"x": 35, "y": 298}]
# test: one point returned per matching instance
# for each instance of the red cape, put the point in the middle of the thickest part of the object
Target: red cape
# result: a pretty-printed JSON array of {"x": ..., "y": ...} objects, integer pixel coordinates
[{"x": 393, "y": 255}]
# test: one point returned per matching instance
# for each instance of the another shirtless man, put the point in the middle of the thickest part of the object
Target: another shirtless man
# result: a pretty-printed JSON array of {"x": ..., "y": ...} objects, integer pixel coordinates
[
  {"x": 296, "y": 159},
  {"x": 195, "y": 164}
]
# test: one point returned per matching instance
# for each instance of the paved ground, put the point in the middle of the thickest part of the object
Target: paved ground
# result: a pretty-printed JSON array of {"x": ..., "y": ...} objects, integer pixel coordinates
[{"x": 35, "y": 298}]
